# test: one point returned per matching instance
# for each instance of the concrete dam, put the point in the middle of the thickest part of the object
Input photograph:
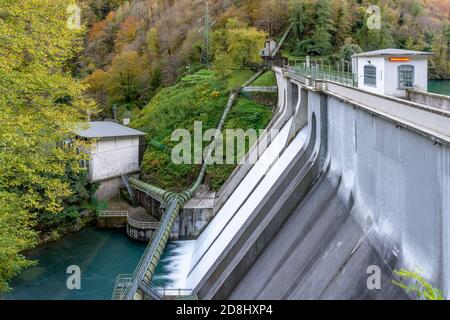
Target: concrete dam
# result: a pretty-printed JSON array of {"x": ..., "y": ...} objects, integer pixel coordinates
[
  {"x": 352, "y": 180},
  {"x": 348, "y": 182}
]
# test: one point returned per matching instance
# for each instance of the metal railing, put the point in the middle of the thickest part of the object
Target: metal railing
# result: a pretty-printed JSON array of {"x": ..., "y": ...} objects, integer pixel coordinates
[
  {"x": 150, "y": 291},
  {"x": 142, "y": 225},
  {"x": 132, "y": 222},
  {"x": 113, "y": 214},
  {"x": 127, "y": 284},
  {"x": 341, "y": 71},
  {"x": 259, "y": 89},
  {"x": 157, "y": 293},
  {"x": 122, "y": 284}
]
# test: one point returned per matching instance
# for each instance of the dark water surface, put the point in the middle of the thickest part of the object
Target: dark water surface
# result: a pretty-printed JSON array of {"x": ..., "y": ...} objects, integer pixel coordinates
[
  {"x": 439, "y": 86},
  {"x": 101, "y": 256}
]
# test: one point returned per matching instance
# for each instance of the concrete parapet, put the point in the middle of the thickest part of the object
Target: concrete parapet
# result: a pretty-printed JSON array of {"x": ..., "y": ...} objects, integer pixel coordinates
[{"x": 429, "y": 99}]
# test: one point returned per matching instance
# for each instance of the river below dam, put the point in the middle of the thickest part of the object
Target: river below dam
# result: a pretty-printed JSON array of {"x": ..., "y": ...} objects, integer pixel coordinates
[
  {"x": 439, "y": 86},
  {"x": 101, "y": 255}
]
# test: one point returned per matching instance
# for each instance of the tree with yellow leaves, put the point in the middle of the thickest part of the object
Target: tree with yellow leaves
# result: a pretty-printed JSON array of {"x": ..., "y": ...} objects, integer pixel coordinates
[
  {"x": 40, "y": 103},
  {"x": 239, "y": 42}
]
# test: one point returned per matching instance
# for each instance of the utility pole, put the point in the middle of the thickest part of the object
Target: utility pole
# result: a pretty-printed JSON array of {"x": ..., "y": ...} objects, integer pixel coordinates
[{"x": 206, "y": 40}]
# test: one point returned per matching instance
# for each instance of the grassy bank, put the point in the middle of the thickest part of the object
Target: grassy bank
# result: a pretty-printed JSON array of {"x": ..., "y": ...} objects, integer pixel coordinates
[{"x": 198, "y": 97}]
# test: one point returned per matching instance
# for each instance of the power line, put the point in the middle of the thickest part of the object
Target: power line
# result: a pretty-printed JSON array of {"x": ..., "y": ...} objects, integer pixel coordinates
[{"x": 206, "y": 36}]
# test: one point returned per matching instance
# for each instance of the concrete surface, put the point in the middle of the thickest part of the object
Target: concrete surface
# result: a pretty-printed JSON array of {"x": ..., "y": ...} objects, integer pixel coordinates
[
  {"x": 194, "y": 217},
  {"x": 372, "y": 187},
  {"x": 429, "y": 99}
]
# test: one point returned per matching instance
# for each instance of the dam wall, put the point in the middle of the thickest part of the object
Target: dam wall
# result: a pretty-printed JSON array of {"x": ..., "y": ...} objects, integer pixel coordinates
[
  {"x": 394, "y": 157},
  {"x": 373, "y": 190},
  {"x": 430, "y": 99},
  {"x": 401, "y": 184}
]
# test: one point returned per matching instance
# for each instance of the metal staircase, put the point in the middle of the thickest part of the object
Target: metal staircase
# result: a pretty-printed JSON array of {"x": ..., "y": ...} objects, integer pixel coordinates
[{"x": 127, "y": 284}]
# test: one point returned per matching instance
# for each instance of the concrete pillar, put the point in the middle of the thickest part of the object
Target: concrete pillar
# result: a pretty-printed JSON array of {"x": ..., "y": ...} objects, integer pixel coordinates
[{"x": 301, "y": 113}]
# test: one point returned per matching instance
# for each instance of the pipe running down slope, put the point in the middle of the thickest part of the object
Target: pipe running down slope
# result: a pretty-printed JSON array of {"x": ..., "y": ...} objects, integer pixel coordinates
[
  {"x": 136, "y": 285},
  {"x": 141, "y": 281}
]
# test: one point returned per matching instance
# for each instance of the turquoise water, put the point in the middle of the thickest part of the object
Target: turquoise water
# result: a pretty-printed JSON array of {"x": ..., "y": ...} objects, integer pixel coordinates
[
  {"x": 101, "y": 256},
  {"x": 439, "y": 86}
]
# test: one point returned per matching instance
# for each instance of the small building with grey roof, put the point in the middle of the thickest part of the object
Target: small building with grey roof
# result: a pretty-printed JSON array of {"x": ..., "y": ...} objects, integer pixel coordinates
[
  {"x": 392, "y": 71},
  {"x": 115, "y": 151}
]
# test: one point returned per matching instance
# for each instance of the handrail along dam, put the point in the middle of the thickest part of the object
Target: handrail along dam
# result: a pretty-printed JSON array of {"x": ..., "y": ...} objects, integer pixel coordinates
[{"x": 353, "y": 179}]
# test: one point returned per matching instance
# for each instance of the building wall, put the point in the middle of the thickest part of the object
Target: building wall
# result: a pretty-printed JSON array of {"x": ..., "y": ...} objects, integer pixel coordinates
[
  {"x": 113, "y": 157},
  {"x": 378, "y": 62},
  {"x": 110, "y": 188},
  {"x": 387, "y": 75},
  {"x": 420, "y": 76}
]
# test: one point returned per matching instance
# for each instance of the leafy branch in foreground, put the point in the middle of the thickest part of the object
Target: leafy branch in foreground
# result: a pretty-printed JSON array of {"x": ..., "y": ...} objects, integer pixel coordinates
[
  {"x": 40, "y": 105},
  {"x": 414, "y": 282}
]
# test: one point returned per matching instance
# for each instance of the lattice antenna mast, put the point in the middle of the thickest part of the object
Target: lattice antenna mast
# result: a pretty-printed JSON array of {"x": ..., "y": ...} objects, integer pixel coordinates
[{"x": 206, "y": 36}]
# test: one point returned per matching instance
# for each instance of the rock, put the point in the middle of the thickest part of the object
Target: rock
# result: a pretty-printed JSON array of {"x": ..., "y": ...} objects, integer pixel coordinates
[
  {"x": 78, "y": 225},
  {"x": 86, "y": 213}
]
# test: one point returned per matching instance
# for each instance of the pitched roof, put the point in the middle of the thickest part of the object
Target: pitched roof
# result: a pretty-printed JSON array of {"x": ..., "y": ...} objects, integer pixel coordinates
[
  {"x": 392, "y": 52},
  {"x": 107, "y": 129}
]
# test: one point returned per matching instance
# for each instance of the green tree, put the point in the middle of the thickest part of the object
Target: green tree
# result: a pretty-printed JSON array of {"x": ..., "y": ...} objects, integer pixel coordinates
[
  {"x": 40, "y": 104},
  {"x": 223, "y": 64},
  {"x": 323, "y": 15},
  {"x": 321, "y": 37},
  {"x": 153, "y": 46},
  {"x": 385, "y": 39},
  {"x": 298, "y": 20},
  {"x": 241, "y": 43},
  {"x": 16, "y": 235},
  {"x": 416, "y": 9},
  {"x": 349, "y": 49},
  {"x": 126, "y": 83},
  {"x": 342, "y": 23},
  {"x": 447, "y": 38},
  {"x": 321, "y": 42}
]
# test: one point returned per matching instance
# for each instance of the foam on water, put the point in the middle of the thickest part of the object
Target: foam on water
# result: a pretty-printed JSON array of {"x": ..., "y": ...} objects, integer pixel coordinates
[{"x": 175, "y": 265}]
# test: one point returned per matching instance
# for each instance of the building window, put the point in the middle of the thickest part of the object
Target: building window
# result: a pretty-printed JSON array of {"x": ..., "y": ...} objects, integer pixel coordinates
[
  {"x": 370, "y": 76},
  {"x": 406, "y": 76}
]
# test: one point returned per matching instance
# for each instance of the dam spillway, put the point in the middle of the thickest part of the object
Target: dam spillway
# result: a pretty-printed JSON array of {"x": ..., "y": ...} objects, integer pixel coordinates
[{"x": 353, "y": 180}]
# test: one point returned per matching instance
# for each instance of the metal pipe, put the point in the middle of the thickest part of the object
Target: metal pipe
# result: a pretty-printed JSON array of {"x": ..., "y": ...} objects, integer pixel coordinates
[
  {"x": 202, "y": 174},
  {"x": 151, "y": 189}
]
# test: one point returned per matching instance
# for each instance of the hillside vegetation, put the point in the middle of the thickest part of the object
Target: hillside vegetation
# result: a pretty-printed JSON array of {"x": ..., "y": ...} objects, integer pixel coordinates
[
  {"x": 198, "y": 97},
  {"x": 143, "y": 56},
  {"x": 134, "y": 48}
]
